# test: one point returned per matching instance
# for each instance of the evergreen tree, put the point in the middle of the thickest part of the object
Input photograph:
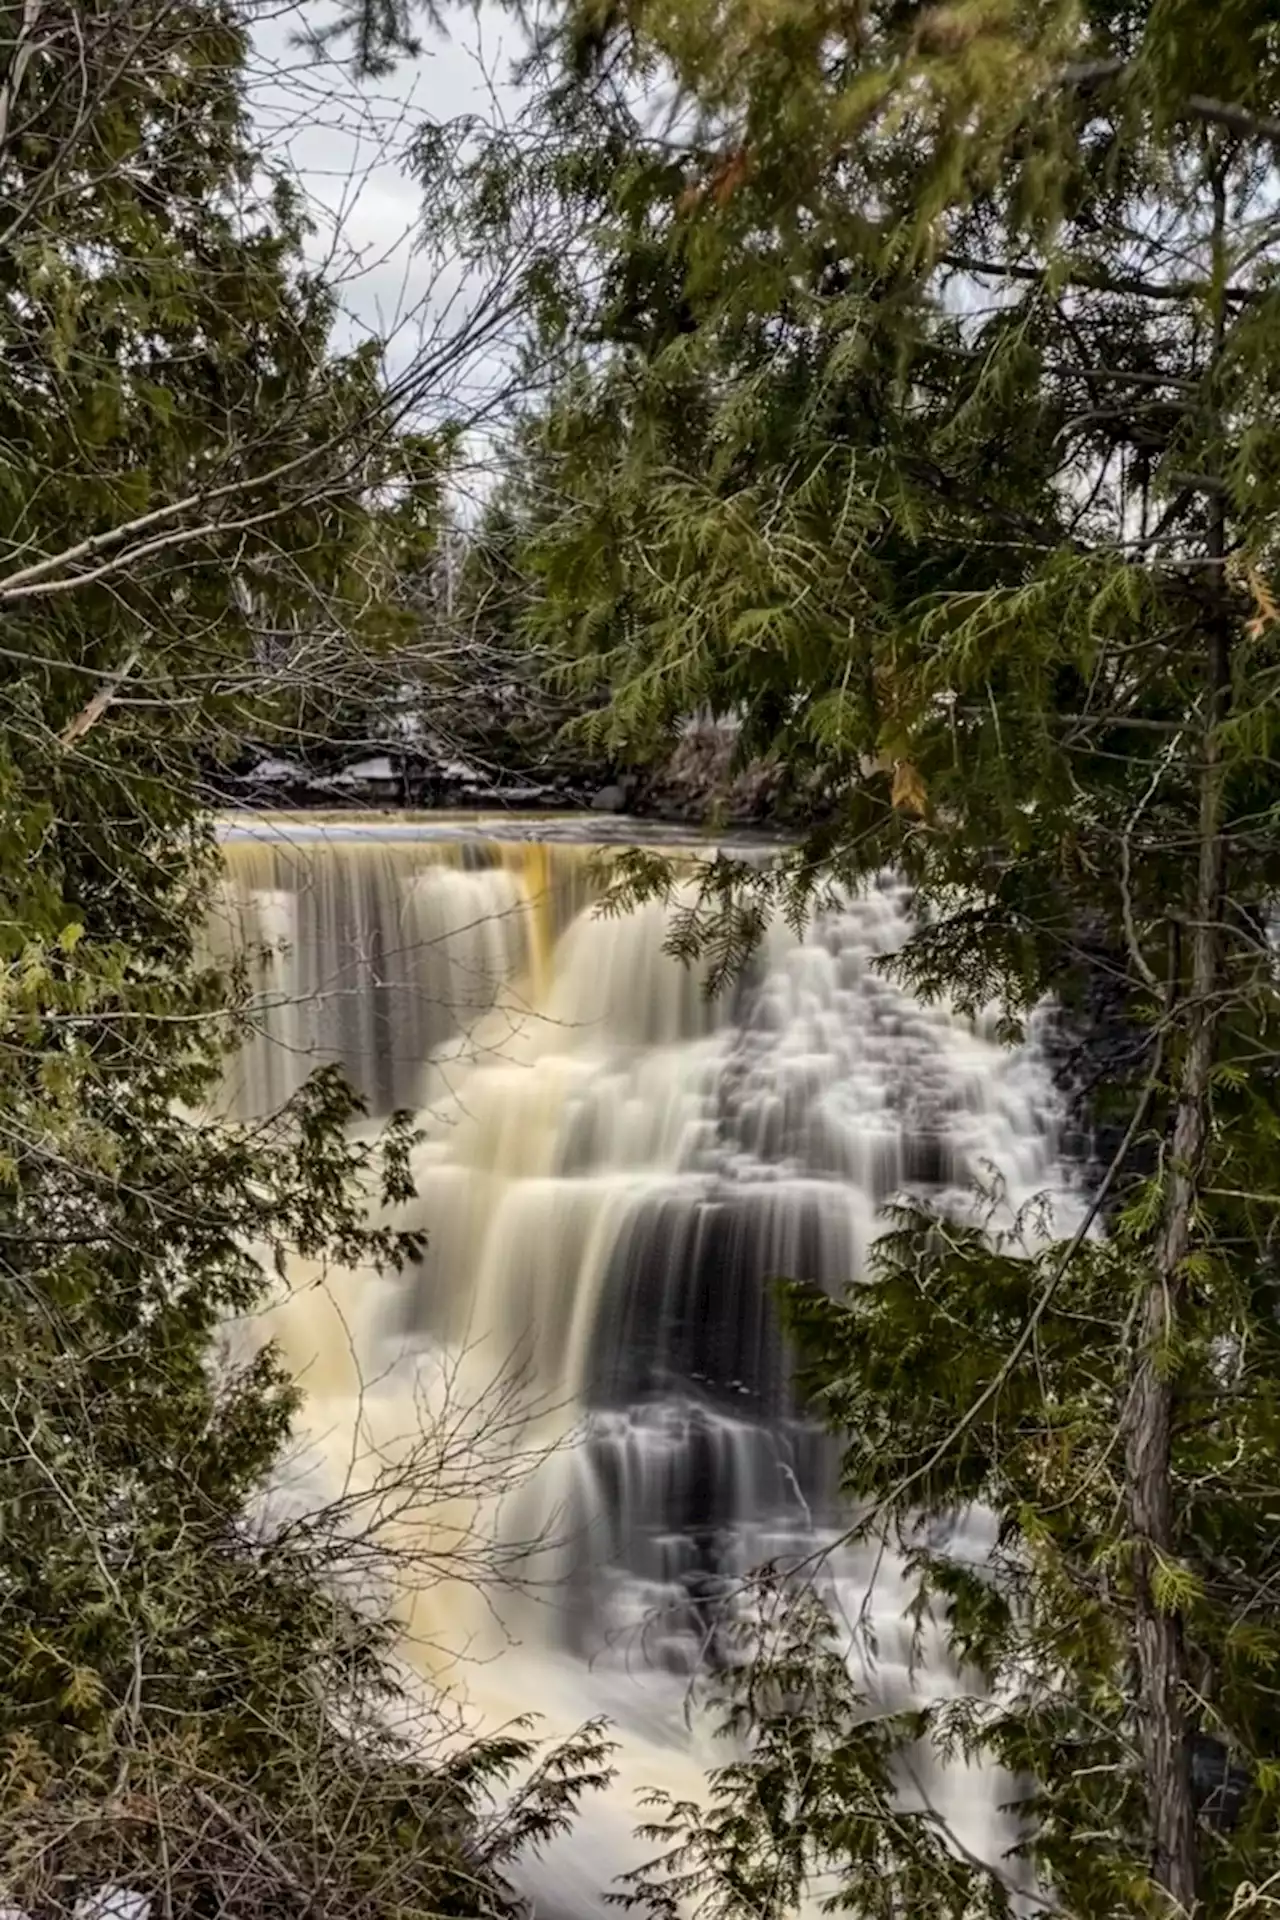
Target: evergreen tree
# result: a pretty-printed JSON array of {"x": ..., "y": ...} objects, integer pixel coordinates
[
  {"x": 197, "y": 1706},
  {"x": 925, "y": 422}
]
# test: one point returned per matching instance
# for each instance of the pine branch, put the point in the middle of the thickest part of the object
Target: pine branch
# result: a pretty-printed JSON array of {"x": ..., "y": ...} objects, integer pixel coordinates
[
  {"x": 1082, "y": 76},
  {"x": 1237, "y": 119},
  {"x": 892, "y": 1500},
  {"x": 1092, "y": 280},
  {"x": 286, "y": 1879}
]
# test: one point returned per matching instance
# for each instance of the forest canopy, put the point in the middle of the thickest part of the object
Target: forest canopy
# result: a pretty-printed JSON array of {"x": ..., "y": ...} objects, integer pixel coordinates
[
  {"x": 914, "y": 409},
  {"x": 898, "y": 383}
]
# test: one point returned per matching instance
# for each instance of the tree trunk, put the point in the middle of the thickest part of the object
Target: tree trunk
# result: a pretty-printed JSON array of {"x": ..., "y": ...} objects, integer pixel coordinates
[
  {"x": 1159, "y": 1647},
  {"x": 1158, "y": 1631},
  {"x": 1160, "y": 1652}
]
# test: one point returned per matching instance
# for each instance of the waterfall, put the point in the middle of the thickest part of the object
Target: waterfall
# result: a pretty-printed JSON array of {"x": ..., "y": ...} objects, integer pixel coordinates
[{"x": 615, "y": 1167}]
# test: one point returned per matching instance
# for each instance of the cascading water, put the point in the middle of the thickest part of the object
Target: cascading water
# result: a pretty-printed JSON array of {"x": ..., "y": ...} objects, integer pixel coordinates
[{"x": 615, "y": 1168}]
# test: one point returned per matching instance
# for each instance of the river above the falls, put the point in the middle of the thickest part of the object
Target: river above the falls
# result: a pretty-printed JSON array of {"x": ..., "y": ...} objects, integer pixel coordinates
[{"x": 614, "y": 1169}]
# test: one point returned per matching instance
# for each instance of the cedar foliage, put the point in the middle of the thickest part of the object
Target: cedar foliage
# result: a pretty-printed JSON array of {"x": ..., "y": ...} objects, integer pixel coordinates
[
  {"x": 921, "y": 416},
  {"x": 199, "y": 1706}
]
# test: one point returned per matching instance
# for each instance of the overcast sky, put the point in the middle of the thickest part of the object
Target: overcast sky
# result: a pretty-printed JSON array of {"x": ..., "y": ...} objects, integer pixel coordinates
[{"x": 348, "y": 145}]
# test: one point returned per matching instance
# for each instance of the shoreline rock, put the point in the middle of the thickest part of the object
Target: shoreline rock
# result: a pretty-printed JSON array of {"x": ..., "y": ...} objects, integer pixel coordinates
[{"x": 390, "y": 778}]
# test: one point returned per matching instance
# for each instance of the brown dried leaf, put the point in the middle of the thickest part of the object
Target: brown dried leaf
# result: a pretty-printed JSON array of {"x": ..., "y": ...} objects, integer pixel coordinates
[
  {"x": 909, "y": 791},
  {"x": 729, "y": 176},
  {"x": 1267, "y": 613}
]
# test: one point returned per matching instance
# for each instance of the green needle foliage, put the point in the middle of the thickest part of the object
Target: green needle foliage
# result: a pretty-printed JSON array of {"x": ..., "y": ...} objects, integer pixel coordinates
[
  {"x": 919, "y": 414},
  {"x": 199, "y": 1705}
]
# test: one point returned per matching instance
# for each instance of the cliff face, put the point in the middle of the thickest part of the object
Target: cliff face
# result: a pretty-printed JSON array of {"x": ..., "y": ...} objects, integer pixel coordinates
[{"x": 699, "y": 781}]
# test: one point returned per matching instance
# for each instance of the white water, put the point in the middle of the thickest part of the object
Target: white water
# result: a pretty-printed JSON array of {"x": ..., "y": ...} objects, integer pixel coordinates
[{"x": 615, "y": 1169}]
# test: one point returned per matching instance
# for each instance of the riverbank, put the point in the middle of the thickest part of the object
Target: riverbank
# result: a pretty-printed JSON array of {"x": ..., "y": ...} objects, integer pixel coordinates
[{"x": 697, "y": 784}]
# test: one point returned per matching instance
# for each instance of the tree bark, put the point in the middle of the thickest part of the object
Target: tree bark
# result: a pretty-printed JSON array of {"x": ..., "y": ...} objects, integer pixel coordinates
[
  {"x": 1149, "y": 1454},
  {"x": 1158, "y": 1631}
]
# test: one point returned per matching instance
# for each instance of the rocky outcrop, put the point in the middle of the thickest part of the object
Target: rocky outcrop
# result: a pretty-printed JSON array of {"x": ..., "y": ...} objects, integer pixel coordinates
[
  {"x": 379, "y": 775},
  {"x": 698, "y": 783}
]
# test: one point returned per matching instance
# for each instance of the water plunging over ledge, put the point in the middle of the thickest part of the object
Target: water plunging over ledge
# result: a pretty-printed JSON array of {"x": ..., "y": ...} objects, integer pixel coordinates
[{"x": 615, "y": 1169}]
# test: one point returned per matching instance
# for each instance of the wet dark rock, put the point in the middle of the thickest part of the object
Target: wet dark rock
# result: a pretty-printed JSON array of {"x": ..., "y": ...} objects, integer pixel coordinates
[
  {"x": 1097, "y": 1053},
  {"x": 699, "y": 781},
  {"x": 380, "y": 775}
]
